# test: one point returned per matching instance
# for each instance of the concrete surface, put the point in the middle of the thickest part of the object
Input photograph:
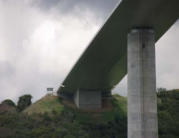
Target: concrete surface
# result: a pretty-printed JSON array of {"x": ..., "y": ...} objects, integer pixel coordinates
[
  {"x": 88, "y": 99},
  {"x": 142, "y": 101}
]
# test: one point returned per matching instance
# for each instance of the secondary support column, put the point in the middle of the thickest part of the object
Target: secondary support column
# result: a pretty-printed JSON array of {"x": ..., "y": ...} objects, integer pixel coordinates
[
  {"x": 142, "y": 100},
  {"x": 88, "y": 99}
]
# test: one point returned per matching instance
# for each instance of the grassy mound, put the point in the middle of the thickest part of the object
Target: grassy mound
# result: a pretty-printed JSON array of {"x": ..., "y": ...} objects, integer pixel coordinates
[
  {"x": 50, "y": 105},
  {"x": 46, "y": 104}
]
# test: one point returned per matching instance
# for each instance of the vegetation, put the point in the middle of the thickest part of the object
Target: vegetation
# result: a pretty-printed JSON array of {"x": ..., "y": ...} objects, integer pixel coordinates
[
  {"x": 24, "y": 102},
  {"x": 161, "y": 90},
  {"x": 168, "y": 114},
  {"x": 8, "y": 102},
  {"x": 51, "y": 118},
  {"x": 46, "y": 104}
]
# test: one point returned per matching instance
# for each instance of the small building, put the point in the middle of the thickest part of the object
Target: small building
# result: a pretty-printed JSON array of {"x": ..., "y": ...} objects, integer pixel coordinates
[{"x": 51, "y": 91}]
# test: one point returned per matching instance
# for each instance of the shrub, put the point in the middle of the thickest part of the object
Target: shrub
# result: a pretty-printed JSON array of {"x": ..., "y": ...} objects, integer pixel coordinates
[
  {"x": 24, "y": 102},
  {"x": 8, "y": 102}
]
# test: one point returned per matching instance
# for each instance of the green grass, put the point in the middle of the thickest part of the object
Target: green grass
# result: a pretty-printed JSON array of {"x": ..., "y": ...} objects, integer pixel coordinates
[
  {"x": 47, "y": 104},
  {"x": 119, "y": 109},
  {"x": 92, "y": 123},
  {"x": 50, "y": 103}
]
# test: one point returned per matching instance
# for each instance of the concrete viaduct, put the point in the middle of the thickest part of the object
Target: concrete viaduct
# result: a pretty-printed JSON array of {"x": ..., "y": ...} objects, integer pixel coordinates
[{"x": 125, "y": 44}]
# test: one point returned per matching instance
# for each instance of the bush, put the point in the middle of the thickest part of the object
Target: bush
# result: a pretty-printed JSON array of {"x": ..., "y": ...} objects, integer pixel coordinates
[
  {"x": 8, "y": 102},
  {"x": 161, "y": 90},
  {"x": 24, "y": 102}
]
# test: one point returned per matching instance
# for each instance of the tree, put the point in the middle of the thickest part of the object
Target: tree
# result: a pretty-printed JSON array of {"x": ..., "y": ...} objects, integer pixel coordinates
[
  {"x": 24, "y": 102},
  {"x": 161, "y": 90},
  {"x": 8, "y": 102}
]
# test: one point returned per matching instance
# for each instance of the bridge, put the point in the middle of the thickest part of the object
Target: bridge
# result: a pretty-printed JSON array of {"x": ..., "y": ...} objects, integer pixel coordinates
[{"x": 124, "y": 45}]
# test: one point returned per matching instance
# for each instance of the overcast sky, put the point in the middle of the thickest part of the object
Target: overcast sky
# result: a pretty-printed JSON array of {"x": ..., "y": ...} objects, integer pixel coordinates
[{"x": 40, "y": 41}]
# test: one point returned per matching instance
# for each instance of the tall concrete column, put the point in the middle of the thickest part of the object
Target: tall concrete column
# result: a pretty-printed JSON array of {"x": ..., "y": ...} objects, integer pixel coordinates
[{"x": 142, "y": 100}]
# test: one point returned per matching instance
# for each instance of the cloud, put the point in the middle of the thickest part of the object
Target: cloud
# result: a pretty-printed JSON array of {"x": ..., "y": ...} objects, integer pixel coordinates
[
  {"x": 167, "y": 65},
  {"x": 99, "y": 7},
  {"x": 38, "y": 49}
]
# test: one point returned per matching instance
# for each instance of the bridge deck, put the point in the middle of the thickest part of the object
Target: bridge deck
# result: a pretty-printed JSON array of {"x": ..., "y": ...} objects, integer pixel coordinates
[{"x": 104, "y": 62}]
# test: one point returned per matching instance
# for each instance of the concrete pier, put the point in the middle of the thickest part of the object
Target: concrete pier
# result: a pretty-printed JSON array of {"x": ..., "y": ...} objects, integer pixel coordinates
[
  {"x": 142, "y": 101},
  {"x": 88, "y": 99}
]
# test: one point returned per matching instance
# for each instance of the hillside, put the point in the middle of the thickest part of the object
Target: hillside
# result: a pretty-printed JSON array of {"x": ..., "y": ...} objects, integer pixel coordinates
[
  {"x": 57, "y": 120},
  {"x": 51, "y": 118},
  {"x": 46, "y": 104},
  {"x": 168, "y": 114}
]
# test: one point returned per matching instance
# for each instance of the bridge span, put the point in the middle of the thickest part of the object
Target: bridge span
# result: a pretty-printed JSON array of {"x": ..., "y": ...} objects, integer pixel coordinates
[{"x": 125, "y": 44}]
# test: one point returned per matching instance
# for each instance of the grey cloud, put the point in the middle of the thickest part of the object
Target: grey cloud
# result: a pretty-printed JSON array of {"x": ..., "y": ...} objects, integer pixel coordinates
[
  {"x": 29, "y": 63},
  {"x": 36, "y": 82},
  {"x": 6, "y": 70},
  {"x": 100, "y": 7}
]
